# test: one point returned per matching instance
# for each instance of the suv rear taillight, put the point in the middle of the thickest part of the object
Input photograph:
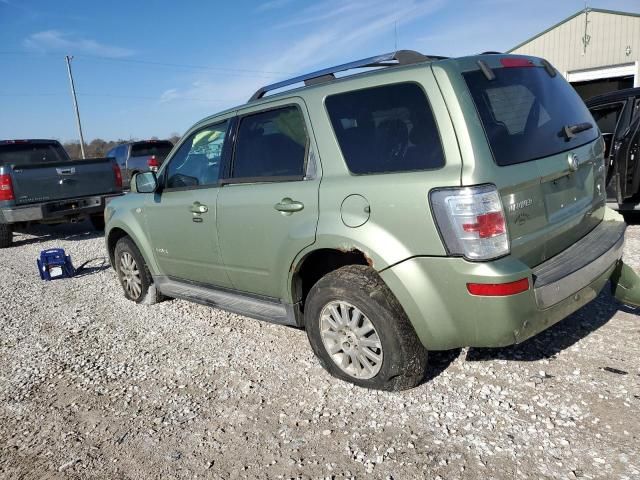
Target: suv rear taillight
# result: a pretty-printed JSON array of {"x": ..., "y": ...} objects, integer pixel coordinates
[
  {"x": 6, "y": 187},
  {"x": 118, "y": 174},
  {"x": 471, "y": 221},
  {"x": 153, "y": 163}
]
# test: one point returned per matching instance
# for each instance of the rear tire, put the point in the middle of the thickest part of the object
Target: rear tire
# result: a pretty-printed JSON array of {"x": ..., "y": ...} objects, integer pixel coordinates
[
  {"x": 98, "y": 222},
  {"x": 360, "y": 333},
  {"x": 133, "y": 273},
  {"x": 6, "y": 235}
]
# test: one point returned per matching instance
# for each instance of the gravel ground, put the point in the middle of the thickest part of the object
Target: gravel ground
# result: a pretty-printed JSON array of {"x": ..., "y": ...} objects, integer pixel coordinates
[{"x": 94, "y": 386}]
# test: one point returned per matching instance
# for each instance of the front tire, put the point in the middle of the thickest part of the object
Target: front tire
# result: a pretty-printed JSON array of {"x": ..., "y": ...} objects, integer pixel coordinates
[
  {"x": 133, "y": 273},
  {"x": 6, "y": 235},
  {"x": 360, "y": 333}
]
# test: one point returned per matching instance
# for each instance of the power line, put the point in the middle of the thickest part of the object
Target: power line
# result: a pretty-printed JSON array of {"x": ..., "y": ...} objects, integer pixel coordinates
[
  {"x": 182, "y": 65},
  {"x": 31, "y": 94},
  {"x": 111, "y": 95},
  {"x": 229, "y": 71}
]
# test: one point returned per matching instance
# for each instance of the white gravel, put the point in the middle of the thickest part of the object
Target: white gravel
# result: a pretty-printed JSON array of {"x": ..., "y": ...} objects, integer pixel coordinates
[{"x": 94, "y": 386}]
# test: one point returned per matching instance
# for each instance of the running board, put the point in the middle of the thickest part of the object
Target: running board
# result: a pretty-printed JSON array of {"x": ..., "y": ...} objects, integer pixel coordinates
[{"x": 260, "y": 308}]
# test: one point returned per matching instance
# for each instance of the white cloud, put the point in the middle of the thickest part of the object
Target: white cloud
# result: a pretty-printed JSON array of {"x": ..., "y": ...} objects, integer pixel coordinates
[
  {"x": 169, "y": 95},
  {"x": 325, "y": 33},
  {"x": 213, "y": 94},
  {"x": 334, "y": 29},
  {"x": 55, "y": 40},
  {"x": 272, "y": 5}
]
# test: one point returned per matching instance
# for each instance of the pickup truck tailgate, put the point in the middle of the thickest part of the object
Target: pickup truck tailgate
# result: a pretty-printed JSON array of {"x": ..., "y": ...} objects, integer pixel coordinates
[{"x": 62, "y": 180}]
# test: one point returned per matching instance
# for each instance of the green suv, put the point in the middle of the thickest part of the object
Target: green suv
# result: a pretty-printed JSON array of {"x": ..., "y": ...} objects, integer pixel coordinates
[{"x": 426, "y": 204}]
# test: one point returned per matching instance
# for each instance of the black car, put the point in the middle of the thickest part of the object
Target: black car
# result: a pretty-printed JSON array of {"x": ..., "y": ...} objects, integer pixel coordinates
[{"x": 617, "y": 117}]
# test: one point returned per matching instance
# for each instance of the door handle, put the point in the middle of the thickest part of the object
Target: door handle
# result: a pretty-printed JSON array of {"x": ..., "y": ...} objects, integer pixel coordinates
[
  {"x": 288, "y": 206},
  {"x": 197, "y": 207}
]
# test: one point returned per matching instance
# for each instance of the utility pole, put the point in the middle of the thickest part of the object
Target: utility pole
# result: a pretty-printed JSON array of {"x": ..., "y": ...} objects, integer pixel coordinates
[{"x": 68, "y": 58}]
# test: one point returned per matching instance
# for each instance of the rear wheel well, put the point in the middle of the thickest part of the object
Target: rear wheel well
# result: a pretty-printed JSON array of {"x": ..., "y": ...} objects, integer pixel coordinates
[
  {"x": 319, "y": 263},
  {"x": 114, "y": 235}
]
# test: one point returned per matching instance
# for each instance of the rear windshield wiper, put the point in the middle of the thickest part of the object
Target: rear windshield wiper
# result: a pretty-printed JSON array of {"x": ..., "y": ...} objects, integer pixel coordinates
[{"x": 570, "y": 131}]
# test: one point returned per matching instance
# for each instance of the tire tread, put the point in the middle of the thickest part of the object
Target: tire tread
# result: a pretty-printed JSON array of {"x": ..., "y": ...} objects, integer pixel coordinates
[
  {"x": 411, "y": 354},
  {"x": 6, "y": 235},
  {"x": 150, "y": 295}
]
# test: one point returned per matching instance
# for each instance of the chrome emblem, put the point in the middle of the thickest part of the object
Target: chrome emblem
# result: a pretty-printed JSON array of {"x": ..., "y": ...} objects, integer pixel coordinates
[
  {"x": 520, "y": 205},
  {"x": 573, "y": 162}
]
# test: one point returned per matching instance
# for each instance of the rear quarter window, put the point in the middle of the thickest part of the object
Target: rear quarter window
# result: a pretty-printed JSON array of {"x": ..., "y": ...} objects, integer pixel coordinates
[
  {"x": 524, "y": 111},
  {"x": 386, "y": 129}
]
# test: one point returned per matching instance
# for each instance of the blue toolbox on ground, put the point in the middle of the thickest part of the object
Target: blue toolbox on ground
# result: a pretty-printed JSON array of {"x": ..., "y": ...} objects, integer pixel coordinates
[{"x": 54, "y": 264}]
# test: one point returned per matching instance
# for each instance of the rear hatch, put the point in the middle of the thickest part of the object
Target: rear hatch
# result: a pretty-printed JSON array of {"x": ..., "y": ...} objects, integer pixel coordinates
[
  {"x": 548, "y": 159},
  {"x": 41, "y": 171},
  {"x": 153, "y": 148}
]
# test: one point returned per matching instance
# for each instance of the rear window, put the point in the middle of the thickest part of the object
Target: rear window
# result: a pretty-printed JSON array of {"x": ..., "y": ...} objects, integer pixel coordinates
[
  {"x": 159, "y": 149},
  {"x": 32, "y": 153},
  {"x": 524, "y": 111},
  {"x": 386, "y": 129}
]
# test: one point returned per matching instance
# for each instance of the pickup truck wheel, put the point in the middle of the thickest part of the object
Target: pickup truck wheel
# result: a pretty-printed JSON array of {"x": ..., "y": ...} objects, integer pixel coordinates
[
  {"x": 360, "y": 333},
  {"x": 6, "y": 235},
  {"x": 133, "y": 273},
  {"x": 98, "y": 222}
]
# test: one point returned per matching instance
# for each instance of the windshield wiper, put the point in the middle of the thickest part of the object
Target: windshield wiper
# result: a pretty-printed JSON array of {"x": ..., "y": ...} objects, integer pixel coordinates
[{"x": 570, "y": 131}]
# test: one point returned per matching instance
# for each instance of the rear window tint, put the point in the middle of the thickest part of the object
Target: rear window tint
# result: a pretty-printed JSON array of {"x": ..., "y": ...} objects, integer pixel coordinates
[
  {"x": 524, "y": 112},
  {"x": 386, "y": 129},
  {"x": 159, "y": 149},
  {"x": 32, "y": 154}
]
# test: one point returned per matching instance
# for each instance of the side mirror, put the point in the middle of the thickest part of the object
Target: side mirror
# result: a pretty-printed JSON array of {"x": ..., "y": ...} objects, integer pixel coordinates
[{"x": 146, "y": 182}]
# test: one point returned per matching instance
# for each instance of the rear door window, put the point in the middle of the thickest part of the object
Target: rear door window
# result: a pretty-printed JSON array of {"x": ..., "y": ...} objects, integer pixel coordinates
[
  {"x": 32, "y": 153},
  {"x": 636, "y": 108},
  {"x": 386, "y": 129},
  {"x": 524, "y": 112},
  {"x": 271, "y": 145},
  {"x": 607, "y": 117}
]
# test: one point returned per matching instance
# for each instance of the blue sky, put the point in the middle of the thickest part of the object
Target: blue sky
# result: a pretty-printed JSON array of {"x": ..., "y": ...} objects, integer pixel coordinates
[{"x": 152, "y": 68}]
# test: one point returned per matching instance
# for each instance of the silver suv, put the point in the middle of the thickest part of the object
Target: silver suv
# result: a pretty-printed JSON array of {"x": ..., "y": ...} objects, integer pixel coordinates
[{"x": 137, "y": 157}]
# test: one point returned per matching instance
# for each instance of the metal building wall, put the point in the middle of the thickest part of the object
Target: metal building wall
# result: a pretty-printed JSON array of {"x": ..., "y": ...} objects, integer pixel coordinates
[{"x": 609, "y": 34}]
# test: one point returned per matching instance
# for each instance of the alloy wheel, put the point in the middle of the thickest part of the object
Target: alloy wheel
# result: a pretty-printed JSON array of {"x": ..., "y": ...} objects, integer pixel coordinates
[
  {"x": 351, "y": 340},
  {"x": 130, "y": 275}
]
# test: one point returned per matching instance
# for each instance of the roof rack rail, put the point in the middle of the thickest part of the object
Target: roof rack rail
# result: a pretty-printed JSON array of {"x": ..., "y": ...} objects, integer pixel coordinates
[{"x": 392, "y": 59}]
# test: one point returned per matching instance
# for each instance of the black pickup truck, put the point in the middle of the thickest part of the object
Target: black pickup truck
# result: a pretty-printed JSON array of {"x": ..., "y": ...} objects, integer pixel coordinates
[
  {"x": 40, "y": 183},
  {"x": 617, "y": 115}
]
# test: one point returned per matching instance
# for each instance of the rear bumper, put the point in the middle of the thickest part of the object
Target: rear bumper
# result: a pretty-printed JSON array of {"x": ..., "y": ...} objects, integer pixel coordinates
[
  {"x": 58, "y": 210},
  {"x": 574, "y": 268},
  {"x": 434, "y": 294}
]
